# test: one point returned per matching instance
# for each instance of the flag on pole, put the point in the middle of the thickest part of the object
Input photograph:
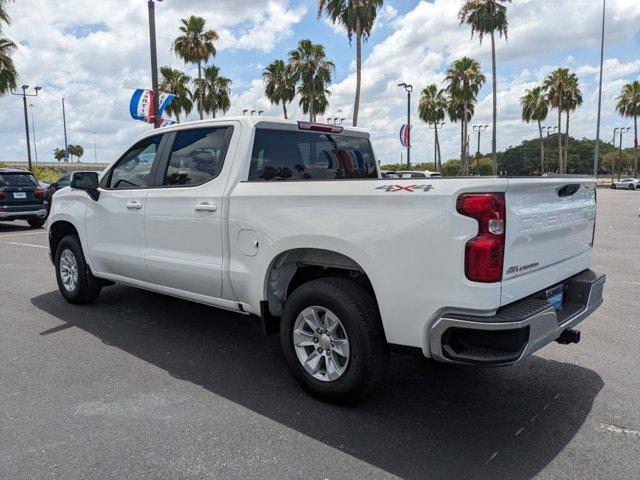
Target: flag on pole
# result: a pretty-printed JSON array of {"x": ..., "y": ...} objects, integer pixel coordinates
[
  {"x": 141, "y": 105},
  {"x": 404, "y": 135}
]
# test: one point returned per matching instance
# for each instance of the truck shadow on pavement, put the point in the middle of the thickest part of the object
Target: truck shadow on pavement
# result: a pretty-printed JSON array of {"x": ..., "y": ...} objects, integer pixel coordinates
[{"x": 427, "y": 421}]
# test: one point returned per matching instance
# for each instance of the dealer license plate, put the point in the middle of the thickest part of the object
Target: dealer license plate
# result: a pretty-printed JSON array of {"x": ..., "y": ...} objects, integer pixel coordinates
[{"x": 555, "y": 297}]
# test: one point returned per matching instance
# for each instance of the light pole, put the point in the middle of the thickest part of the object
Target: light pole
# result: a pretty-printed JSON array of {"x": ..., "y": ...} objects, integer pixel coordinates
[
  {"x": 154, "y": 61},
  {"x": 408, "y": 88},
  {"x": 597, "y": 153},
  {"x": 479, "y": 129},
  {"x": 24, "y": 96},
  {"x": 546, "y": 147},
  {"x": 437, "y": 157},
  {"x": 64, "y": 124},
  {"x": 33, "y": 129},
  {"x": 621, "y": 131}
]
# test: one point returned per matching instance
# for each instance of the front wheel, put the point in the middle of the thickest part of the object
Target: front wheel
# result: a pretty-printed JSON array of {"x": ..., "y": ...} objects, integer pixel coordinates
[
  {"x": 36, "y": 222},
  {"x": 333, "y": 341},
  {"x": 613, "y": 186},
  {"x": 632, "y": 186},
  {"x": 75, "y": 281}
]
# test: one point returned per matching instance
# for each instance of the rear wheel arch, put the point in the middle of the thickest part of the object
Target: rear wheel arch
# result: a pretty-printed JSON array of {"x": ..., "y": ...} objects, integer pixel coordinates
[{"x": 293, "y": 268}]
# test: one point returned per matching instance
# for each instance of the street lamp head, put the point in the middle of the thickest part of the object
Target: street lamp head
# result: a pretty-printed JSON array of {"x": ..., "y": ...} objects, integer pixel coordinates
[
  {"x": 25, "y": 87},
  {"x": 402, "y": 84},
  {"x": 38, "y": 89}
]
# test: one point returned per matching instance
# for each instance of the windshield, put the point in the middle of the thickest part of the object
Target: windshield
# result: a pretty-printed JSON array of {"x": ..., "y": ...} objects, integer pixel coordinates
[{"x": 13, "y": 180}]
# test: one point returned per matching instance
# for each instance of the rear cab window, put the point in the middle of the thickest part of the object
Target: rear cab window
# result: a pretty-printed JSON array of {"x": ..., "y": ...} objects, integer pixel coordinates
[{"x": 280, "y": 155}]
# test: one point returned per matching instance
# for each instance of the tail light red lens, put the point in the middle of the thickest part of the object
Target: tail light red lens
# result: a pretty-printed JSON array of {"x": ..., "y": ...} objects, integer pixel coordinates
[
  {"x": 484, "y": 254},
  {"x": 39, "y": 193},
  {"x": 1, "y": 195}
]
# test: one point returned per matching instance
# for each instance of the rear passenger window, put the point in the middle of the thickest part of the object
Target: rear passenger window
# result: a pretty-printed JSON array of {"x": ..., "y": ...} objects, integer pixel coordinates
[
  {"x": 291, "y": 155},
  {"x": 197, "y": 156}
]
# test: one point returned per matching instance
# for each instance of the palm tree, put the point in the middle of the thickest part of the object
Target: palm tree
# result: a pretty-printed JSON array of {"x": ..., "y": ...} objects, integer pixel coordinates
[
  {"x": 488, "y": 17},
  {"x": 558, "y": 87},
  {"x": 629, "y": 106},
  {"x": 358, "y": 17},
  {"x": 465, "y": 79},
  {"x": 214, "y": 89},
  {"x": 433, "y": 103},
  {"x": 195, "y": 45},
  {"x": 309, "y": 66},
  {"x": 4, "y": 15},
  {"x": 278, "y": 85},
  {"x": 455, "y": 112},
  {"x": 8, "y": 73},
  {"x": 535, "y": 106},
  {"x": 177, "y": 82},
  {"x": 572, "y": 101}
]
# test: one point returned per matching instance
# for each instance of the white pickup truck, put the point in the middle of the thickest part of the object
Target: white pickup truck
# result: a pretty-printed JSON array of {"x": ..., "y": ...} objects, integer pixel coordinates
[{"x": 289, "y": 221}]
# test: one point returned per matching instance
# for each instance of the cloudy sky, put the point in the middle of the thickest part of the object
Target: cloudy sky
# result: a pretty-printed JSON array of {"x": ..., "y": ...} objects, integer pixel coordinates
[{"x": 95, "y": 53}]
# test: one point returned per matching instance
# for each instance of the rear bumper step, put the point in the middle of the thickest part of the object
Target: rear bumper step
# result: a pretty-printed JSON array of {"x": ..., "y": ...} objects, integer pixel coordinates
[
  {"x": 22, "y": 214},
  {"x": 517, "y": 330}
]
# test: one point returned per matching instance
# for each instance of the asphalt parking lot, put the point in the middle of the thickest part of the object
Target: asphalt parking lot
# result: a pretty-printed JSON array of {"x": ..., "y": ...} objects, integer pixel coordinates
[{"x": 140, "y": 385}]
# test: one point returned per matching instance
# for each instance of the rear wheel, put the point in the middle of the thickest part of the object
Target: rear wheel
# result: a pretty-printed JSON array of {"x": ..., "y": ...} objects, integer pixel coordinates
[
  {"x": 75, "y": 281},
  {"x": 632, "y": 186},
  {"x": 613, "y": 186},
  {"x": 36, "y": 222},
  {"x": 333, "y": 340}
]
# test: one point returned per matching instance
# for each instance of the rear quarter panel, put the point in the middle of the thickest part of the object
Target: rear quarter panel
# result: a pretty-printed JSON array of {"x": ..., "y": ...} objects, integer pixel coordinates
[{"x": 410, "y": 243}]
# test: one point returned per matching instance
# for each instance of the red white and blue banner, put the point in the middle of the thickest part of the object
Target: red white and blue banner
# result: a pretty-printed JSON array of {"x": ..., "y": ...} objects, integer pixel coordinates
[
  {"x": 141, "y": 106},
  {"x": 404, "y": 135}
]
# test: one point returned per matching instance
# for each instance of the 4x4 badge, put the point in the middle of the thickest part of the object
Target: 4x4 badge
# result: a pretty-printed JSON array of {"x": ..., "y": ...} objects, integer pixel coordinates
[{"x": 405, "y": 188}]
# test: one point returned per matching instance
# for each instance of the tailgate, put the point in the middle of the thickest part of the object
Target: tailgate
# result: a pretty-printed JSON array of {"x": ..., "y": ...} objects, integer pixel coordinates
[{"x": 549, "y": 233}]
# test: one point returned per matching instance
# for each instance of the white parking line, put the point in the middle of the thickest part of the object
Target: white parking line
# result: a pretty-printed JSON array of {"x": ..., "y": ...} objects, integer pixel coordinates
[
  {"x": 25, "y": 244},
  {"x": 26, "y": 233}
]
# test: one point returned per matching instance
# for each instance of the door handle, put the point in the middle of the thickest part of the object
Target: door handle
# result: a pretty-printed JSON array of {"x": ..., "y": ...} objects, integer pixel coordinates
[
  {"x": 134, "y": 205},
  {"x": 205, "y": 207}
]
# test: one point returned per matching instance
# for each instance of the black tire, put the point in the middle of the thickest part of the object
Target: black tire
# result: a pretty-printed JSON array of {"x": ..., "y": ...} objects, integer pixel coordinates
[
  {"x": 632, "y": 186},
  {"x": 368, "y": 350},
  {"x": 36, "y": 222},
  {"x": 613, "y": 186},
  {"x": 87, "y": 287}
]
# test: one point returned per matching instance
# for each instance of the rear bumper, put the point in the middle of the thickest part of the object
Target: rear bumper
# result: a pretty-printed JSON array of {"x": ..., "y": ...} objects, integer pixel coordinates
[
  {"x": 23, "y": 214},
  {"x": 517, "y": 330}
]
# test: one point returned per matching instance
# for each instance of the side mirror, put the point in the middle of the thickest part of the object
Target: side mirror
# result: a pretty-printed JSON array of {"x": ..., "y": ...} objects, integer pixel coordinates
[{"x": 87, "y": 181}]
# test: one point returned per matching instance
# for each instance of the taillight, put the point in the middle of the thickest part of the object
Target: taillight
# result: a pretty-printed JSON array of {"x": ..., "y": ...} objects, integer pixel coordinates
[
  {"x": 484, "y": 254},
  {"x": 39, "y": 193},
  {"x": 319, "y": 127},
  {"x": 1, "y": 195}
]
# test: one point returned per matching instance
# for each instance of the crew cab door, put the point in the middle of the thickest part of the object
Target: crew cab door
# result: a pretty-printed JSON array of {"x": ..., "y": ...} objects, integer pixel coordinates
[
  {"x": 184, "y": 212},
  {"x": 115, "y": 222}
]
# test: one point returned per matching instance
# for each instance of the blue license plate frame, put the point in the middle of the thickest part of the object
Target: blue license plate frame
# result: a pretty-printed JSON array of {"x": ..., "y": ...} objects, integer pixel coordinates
[{"x": 555, "y": 297}]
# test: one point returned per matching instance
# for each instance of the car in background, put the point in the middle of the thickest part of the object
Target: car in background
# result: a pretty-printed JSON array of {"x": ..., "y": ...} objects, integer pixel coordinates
[
  {"x": 418, "y": 174},
  {"x": 21, "y": 197},
  {"x": 62, "y": 182},
  {"x": 389, "y": 174},
  {"x": 626, "y": 184}
]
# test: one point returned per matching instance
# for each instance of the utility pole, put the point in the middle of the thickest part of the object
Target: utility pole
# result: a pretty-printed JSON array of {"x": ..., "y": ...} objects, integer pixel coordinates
[
  {"x": 154, "y": 62},
  {"x": 437, "y": 156},
  {"x": 621, "y": 131},
  {"x": 95, "y": 148},
  {"x": 33, "y": 129},
  {"x": 597, "y": 152},
  {"x": 479, "y": 129},
  {"x": 24, "y": 96},
  {"x": 408, "y": 88},
  {"x": 64, "y": 123}
]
